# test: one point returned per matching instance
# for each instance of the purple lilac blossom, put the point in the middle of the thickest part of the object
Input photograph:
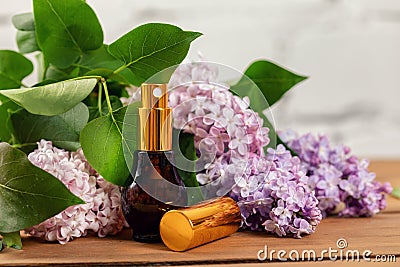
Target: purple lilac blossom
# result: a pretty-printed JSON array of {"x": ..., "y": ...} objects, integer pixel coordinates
[
  {"x": 279, "y": 200},
  {"x": 338, "y": 178},
  {"x": 271, "y": 189},
  {"x": 101, "y": 213}
]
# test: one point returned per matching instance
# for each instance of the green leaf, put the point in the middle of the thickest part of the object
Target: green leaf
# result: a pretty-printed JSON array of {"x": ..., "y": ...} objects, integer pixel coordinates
[
  {"x": 45, "y": 82},
  {"x": 273, "y": 80},
  {"x": 264, "y": 83},
  {"x": 26, "y": 35},
  {"x": 6, "y": 131},
  {"x": 26, "y": 41},
  {"x": 151, "y": 48},
  {"x": 129, "y": 134},
  {"x": 102, "y": 143},
  {"x": 12, "y": 240},
  {"x": 396, "y": 192},
  {"x": 52, "y": 99},
  {"x": 65, "y": 30},
  {"x": 42, "y": 66},
  {"x": 13, "y": 68},
  {"x": 28, "y": 194},
  {"x": 24, "y": 21},
  {"x": 54, "y": 73},
  {"x": 63, "y": 129},
  {"x": 101, "y": 62}
]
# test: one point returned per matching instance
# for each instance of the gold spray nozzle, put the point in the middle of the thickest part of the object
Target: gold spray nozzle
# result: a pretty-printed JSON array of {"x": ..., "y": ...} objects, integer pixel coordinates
[
  {"x": 154, "y": 95},
  {"x": 155, "y": 121}
]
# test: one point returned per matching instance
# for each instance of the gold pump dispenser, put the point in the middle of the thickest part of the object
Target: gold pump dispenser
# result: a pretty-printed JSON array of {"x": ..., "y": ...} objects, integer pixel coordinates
[{"x": 155, "y": 119}]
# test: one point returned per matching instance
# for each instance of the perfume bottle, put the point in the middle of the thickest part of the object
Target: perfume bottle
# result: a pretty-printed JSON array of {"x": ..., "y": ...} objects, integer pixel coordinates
[{"x": 150, "y": 194}]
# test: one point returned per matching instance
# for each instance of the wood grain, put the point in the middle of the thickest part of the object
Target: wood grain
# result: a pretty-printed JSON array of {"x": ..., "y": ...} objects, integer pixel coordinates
[{"x": 380, "y": 234}]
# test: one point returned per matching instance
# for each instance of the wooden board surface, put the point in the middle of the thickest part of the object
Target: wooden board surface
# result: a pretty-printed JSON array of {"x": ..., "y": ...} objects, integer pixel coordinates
[{"x": 380, "y": 234}]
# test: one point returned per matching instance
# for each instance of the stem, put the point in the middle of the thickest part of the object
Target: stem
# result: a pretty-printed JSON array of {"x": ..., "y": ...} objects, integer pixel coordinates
[
  {"x": 99, "y": 98},
  {"x": 87, "y": 77},
  {"x": 120, "y": 69},
  {"x": 103, "y": 81}
]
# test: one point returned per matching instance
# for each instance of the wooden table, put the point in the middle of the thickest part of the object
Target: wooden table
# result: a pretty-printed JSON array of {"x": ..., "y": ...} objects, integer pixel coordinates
[{"x": 380, "y": 234}]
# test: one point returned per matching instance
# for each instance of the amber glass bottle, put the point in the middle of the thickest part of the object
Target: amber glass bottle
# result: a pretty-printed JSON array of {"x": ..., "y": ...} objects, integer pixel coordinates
[{"x": 150, "y": 195}]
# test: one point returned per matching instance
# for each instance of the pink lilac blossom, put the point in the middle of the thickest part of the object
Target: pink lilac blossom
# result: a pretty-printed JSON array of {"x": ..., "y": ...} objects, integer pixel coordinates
[
  {"x": 270, "y": 189},
  {"x": 101, "y": 213},
  {"x": 337, "y": 177}
]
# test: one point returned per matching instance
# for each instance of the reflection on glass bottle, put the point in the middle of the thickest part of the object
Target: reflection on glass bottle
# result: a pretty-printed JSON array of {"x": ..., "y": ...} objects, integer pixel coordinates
[{"x": 150, "y": 195}]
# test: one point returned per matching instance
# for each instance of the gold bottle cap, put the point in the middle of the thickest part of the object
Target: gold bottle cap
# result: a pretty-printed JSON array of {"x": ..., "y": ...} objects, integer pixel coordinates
[
  {"x": 187, "y": 228},
  {"x": 176, "y": 230},
  {"x": 155, "y": 119}
]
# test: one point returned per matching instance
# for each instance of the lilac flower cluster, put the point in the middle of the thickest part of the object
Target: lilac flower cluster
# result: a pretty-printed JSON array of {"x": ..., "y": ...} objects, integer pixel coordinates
[
  {"x": 278, "y": 200},
  {"x": 101, "y": 213},
  {"x": 270, "y": 189},
  {"x": 223, "y": 125},
  {"x": 341, "y": 181},
  {"x": 214, "y": 115}
]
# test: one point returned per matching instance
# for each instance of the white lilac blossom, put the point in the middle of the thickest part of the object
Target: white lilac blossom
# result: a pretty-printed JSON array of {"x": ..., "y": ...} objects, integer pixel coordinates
[
  {"x": 101, "y": 213},
  {"x": 271, "y": 189},
  {"x": 338, "y": 178}
]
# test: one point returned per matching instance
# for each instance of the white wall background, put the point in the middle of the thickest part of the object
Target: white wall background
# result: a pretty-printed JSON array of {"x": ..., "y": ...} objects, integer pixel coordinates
[{"x": 350, "y": 49}]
